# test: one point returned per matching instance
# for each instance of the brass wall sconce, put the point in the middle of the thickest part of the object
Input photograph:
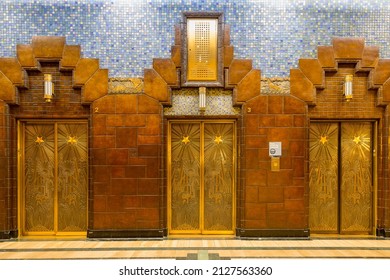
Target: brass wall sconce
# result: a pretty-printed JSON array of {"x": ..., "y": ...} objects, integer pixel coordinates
[
  {"x": 202, "y": 99},
  {"x": 48, "y": 88},
  {"x": 348, "y": 87}
]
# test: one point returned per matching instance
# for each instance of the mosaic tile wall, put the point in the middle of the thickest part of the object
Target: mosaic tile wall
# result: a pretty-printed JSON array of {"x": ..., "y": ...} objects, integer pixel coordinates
[
  {"x": 127, "y": 34},
  {"x": 186, "y": 102}
]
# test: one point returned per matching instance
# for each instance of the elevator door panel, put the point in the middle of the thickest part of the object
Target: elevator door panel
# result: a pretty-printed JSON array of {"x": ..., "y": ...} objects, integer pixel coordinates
[
  {"x": 218, "y": 177},
  {"x": 356, "y": 180},
  {"x": 201, "y": 176},
  {"x": 185, "y": 177},
  {"x": 341, "y": 184},
  {"x": 72, "y": 177},
  {"x": 324, "y": 194},
  {"x": 55, "y": 171},
  {"x": 39, "y": 178}
]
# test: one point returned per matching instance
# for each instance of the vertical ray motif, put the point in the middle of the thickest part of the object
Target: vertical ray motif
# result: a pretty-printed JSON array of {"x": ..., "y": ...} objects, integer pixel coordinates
[
  {"x": 72, "y": 177},
  {"x": 56, "y": 177},
  {"x": 201, "y": 177},
  {"x": 218, "y": 176},
  {"x": 323, "y": 212},
  {"x": 39, "y": 178},
  {"x": 185, "y": 176},
  {"x": 356, "y": 180},
  {"x": 341, "y": 177}
]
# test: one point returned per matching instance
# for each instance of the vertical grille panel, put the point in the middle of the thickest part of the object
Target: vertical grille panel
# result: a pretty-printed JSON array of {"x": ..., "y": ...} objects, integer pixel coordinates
[{"x": 202, "y": 49}]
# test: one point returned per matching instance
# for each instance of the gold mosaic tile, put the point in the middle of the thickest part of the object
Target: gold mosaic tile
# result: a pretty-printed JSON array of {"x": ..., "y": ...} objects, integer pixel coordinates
[
  {"x": 186, "y": 102},
  {"x": 275, "y": 86},
  {"x": 125, "y": 85}
]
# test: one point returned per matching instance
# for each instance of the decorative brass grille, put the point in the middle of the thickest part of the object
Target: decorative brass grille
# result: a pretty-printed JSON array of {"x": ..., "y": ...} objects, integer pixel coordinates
[{"x": 202, "y": 38}]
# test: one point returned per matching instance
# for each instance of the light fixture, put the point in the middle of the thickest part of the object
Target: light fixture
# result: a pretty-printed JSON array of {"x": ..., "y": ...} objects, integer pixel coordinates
[
  {"x": 202, "y": 99},
  {"x": 48, "y": 88},
  {"x": 348, "y": 87}
]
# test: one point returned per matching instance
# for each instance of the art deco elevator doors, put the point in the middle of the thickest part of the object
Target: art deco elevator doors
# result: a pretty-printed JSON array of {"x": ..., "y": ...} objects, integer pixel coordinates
[
  {"x": 341, "y": 177},
  {"x": 53, "y": 178},
  {"x": 201, "y": 176}
]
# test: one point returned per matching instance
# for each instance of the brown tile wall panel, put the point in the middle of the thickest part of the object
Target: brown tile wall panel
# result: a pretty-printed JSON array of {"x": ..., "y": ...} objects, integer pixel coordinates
[
  {"x": 126, "y": 137},
  {"x": 4, "y": 208},
  {"x": 118, "y": 172},
  {"x": 117, "y": 156},
  {"x": 99, "y": 203},
  {"x": 65, "y": 104},
  {"x": 274, "y": 199},
  {"x": 124, "y": 186},
  {"x": 331, "y": 103},
  {"x": 383, "y": 192},
  {"x": 126, "y": 148},
  {"x": 132, "y": 202},
  {"x": 277, "y": 220}
]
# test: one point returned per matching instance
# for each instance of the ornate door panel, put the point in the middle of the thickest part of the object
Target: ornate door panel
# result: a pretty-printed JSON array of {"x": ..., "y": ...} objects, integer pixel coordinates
[
  {"x": 218, "y": 177},
  {"x": 185, "y": 177},
  {"x": 341, "y": 182},
  {"x": 324, "y": 194},
  {"x": 54, "y": 178},
  {"x": 39, "y": 195},
  {"x": 356, "y": 180},
  {"x": 201, "y": 177}
]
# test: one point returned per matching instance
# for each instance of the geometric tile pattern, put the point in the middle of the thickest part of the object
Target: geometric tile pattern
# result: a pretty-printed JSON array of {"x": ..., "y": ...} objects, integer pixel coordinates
[
  {"x": 186, "y": 102},
  {"x": 127, "y": 35}
]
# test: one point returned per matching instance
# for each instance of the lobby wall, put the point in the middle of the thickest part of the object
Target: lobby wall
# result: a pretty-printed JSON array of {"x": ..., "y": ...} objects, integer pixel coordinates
[
  {"x": 126, "y": 106},
  {"x": 126, "y": 151},
  {"x": 274, "y": 203}
]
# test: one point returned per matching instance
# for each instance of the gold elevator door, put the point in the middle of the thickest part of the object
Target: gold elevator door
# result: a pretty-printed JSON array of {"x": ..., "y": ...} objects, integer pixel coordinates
[
  {"x": 341, "y": 178},
  {"x": 53, "y": 178},
  {"x": 201, "y": 176}
]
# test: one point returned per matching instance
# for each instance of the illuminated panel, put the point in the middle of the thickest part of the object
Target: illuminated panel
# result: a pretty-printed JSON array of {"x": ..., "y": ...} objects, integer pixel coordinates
[{"x": 202, "y": 49}]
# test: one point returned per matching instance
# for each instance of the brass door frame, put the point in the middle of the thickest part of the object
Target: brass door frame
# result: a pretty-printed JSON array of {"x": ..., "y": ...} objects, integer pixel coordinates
[
  {"x": 21, "y": 178},
  {"x": 374, "y": 168},
  {"x": 201, "y": 231}
]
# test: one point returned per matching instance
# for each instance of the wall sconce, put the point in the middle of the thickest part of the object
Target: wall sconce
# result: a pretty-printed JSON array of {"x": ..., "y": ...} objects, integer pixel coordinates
[
  {"x": 348, "y": 87},
  {"x": 48, "y": 88},
  {"x": 202, "y": 99}
]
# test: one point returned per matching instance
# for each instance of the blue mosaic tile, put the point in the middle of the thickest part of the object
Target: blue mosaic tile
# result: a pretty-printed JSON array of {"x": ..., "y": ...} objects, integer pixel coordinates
[{"x": 127, "y": 34}]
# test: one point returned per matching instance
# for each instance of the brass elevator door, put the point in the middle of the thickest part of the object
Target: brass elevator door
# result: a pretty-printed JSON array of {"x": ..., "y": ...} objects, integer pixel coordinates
[
  {"x": 201, "y": 176},
  {"x": 54, "y": 178},
  {"x": 341, "y": 180}
]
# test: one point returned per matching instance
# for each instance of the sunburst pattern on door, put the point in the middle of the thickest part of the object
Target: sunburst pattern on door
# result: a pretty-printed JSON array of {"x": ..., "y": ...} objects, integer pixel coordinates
[
  {"x": 55, "y": 172},
  {"x": 72, "y": 177},
  {"x": 356, "y": 180},
  {"x": 323, "y": 212},
  {"x": 201, "y": 177},
  {"x": 185, "y": 176},
  {"x": 39, "y": 177},
  {"x": 218, "y": 157},
  {"x": 341, "y": 177}
]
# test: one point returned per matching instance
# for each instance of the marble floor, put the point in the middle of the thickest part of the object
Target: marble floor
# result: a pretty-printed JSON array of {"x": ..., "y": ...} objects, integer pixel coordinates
[{"x": 193, "y": 248}]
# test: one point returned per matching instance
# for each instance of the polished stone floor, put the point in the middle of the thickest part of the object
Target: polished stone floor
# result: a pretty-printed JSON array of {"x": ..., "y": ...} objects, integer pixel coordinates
[{"x": 193, "y": 248}]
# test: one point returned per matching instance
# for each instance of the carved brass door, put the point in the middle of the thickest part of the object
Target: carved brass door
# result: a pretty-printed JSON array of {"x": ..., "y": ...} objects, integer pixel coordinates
[
  {"x": 341, "y": 180},
  {"x": 201, "y": 176},
  {"x": 53, "y": 178}
]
